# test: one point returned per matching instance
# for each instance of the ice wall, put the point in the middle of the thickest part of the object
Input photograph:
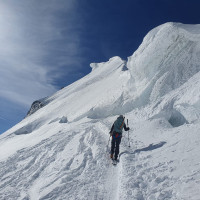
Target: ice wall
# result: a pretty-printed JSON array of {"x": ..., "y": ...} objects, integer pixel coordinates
[{"x": 167, "y": 58}]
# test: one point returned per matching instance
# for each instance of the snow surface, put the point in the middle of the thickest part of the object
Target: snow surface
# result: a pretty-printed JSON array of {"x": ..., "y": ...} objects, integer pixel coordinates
[{"x": 61, "y": 151}]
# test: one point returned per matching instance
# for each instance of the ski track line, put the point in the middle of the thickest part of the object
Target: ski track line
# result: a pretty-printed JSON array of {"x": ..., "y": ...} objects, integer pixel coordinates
[{"x": 112, "y": 184}]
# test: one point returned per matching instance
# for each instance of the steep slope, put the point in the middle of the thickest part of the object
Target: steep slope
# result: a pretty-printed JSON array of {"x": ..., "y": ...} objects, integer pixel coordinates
[{"x": 61, "y": 151}]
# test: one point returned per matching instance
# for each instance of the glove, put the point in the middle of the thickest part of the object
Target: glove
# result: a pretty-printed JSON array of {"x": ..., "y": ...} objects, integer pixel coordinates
[{"x": 127, "y": 129}]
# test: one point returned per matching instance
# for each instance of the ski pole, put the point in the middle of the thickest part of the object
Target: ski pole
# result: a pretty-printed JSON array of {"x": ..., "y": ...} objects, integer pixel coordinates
[{"x": 128, "y": 135}]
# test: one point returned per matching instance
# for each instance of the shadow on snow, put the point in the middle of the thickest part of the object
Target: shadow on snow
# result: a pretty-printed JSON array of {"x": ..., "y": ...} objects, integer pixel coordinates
[{"x": 149, "y": 148}]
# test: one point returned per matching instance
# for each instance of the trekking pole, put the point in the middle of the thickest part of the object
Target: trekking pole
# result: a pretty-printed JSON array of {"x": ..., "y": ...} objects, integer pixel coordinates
[{"x": 128, "y": 135}]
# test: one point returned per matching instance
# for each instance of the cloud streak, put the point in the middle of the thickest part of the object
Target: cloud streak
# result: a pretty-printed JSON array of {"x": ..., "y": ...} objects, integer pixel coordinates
[{"x": 39, "y": 42}]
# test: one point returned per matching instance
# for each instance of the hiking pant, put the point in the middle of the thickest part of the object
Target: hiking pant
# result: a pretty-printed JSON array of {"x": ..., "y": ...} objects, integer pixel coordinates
[{"x": 115, "y": 146}]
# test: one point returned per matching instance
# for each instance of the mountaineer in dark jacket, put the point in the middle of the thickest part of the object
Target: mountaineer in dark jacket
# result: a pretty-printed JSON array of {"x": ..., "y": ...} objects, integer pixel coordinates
[{"x": 116, "y": 133}]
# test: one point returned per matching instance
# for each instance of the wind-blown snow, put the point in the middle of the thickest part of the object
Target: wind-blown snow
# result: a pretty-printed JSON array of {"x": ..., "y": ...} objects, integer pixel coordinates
[{"x": 61, "y": 151}]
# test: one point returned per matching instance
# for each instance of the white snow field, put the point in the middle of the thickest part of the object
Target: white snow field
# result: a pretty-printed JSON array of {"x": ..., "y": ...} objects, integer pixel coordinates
[{"x": 61, "y": 151}]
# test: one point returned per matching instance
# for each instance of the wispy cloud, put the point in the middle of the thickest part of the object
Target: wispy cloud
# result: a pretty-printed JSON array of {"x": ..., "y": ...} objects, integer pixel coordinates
[
  {"x": 2, "y": 118},
  {"x": 39, "y": 42}
]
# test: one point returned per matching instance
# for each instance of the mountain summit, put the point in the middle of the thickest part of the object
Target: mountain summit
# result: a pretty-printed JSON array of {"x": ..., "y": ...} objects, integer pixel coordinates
[{"x": 61, "y": 149}]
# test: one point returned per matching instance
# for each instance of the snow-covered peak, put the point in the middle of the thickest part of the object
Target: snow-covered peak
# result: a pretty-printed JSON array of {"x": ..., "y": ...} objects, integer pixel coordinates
[{"x": 61, "y": 151}]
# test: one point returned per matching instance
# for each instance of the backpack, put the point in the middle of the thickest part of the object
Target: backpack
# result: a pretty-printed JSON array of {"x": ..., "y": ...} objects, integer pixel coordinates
[{"x": 119, "y": 124}]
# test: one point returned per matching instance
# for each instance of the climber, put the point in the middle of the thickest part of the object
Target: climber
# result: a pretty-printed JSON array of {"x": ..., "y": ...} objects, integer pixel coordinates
[{"x": 116, "y": 133}]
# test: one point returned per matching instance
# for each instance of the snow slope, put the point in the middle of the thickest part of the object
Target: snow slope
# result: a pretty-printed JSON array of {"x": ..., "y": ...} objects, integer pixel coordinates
[{"x": 61, "y": 151}]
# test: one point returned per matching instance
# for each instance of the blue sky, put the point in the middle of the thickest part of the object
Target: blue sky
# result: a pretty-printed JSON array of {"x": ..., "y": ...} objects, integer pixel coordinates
[{"x": 48, "y": 44}]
